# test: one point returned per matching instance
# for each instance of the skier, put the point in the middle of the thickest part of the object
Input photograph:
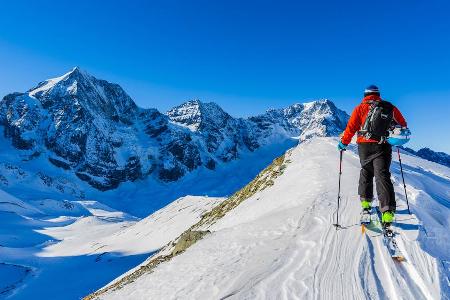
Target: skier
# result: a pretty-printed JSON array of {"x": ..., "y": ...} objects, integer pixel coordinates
[{"x": 372, "y": 119}]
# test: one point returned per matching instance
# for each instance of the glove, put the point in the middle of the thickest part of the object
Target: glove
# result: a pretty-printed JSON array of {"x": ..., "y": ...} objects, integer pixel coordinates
[
  {"x": 341, "y": 146},
  {"x": 406, "y": 131},
  {"x": 403, "y": 131}
]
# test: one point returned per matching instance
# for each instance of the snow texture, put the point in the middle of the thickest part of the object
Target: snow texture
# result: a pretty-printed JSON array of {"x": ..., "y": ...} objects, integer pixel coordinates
[
  {"x": 64, "y": 250},
  {"x": 280, "y": 244}
]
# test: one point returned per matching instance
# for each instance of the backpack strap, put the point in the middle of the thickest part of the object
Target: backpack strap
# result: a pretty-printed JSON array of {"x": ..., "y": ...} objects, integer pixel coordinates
[{"x": 364, "y": 131}]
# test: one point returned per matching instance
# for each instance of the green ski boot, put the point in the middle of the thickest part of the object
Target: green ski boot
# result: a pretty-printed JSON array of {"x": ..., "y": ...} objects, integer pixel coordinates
[
  {"x": 366, "y": 204},
  {"x": 387, "y": 217},
  {"x": 386, "y": 221}
]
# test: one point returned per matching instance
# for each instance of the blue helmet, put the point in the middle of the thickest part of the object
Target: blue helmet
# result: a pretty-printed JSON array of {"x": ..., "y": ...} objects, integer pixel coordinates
[
  {"x": 399, "y": 136},
  {"x": 372, "y": 90}
]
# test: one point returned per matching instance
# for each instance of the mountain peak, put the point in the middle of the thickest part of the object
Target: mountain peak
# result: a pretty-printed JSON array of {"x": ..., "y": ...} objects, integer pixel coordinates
[
  {"x": 314, "y": 104},
  {"x": 195, "y": 114},
  {"x": 305, "y": 120},
  {"x": 201, "y": 106},
  {"x": 75, "y": 74},
  {"x": 79, "y": 89}
]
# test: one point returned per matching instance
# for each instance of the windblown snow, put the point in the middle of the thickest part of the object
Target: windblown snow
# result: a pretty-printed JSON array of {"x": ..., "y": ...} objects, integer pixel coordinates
[
  {"x": 66, "y": 249},
  {"x": 280, "y": 244}
]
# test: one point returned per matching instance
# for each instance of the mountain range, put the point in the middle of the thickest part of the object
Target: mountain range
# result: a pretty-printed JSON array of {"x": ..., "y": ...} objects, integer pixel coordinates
[
  {"x": 428, "y": 154},
  {"x": 154, "y": 205},
  {"x": 93, "y": 129}
]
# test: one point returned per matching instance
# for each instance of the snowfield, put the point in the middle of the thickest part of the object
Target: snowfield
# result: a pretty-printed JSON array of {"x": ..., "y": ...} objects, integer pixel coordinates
[
  {"x": 64, "y": 250},
  {"x": 280, "y": 244}
]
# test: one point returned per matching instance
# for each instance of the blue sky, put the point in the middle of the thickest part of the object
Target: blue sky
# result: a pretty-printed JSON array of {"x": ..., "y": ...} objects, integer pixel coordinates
[{"x": 245, "y": 55}]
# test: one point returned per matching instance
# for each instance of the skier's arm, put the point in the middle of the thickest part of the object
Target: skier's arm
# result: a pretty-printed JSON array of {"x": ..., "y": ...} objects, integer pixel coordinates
[
  {"x": 398, "y": 117},
  {"x": 353, "y": 125}
]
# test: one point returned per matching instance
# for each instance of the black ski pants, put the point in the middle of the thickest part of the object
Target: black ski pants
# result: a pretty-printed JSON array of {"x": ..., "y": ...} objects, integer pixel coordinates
[{"x": 375, "y": 161}]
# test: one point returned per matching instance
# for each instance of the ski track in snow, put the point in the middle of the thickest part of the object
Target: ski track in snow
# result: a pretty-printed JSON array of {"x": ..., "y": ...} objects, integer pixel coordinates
[{"x": 279, "y": 244}]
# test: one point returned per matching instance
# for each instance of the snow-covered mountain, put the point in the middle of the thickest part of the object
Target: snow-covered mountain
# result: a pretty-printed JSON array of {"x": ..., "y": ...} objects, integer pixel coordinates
[
  {"x": 317, "y": 118},
  {"x": 428, "y": 154},
  {"x": 274, "y": 238},
  {"x": 77, "y": 137},
  {"x": 92, "y": 129}
]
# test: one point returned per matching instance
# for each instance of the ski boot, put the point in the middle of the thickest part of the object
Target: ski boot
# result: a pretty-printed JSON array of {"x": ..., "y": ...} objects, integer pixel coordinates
[
  {"x": 387, "y": 218},
  {"x": 386, "y": 222}
]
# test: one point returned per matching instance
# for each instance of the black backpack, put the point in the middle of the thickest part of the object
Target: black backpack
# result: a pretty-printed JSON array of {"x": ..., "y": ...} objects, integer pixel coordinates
[{"x": 378, "y": 121}]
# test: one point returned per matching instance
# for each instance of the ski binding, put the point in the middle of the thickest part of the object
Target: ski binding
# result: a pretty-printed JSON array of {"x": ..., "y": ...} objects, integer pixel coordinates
[{"x": 365, "y": 217}]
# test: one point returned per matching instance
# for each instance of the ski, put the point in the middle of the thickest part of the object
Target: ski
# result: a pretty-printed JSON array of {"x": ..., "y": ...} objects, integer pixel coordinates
[
  {"x": 389, "y": 240},
  {"x": 391, "y": 244},
  {"x": 366, "y": 218}
]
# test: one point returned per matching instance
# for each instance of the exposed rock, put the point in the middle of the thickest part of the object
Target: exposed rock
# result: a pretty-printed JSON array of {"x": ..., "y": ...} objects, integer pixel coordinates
[
  {"x": 187, "y": 239},
  {"x": 59, "y": 163}
]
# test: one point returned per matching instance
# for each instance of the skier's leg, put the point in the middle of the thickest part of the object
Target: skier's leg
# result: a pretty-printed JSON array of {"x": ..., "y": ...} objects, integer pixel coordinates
[
  {"x": 365, "y": 187},
  {"x": 385, "y": 189}
]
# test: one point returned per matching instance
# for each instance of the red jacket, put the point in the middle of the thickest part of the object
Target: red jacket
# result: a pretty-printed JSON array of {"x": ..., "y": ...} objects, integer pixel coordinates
[{"x": 358, "y": 118}]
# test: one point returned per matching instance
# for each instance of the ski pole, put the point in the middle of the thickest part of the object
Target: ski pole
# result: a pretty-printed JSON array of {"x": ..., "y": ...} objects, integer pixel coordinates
[
  {"x": 403, "y": 178},
  {"x": 339, "y": 190}
]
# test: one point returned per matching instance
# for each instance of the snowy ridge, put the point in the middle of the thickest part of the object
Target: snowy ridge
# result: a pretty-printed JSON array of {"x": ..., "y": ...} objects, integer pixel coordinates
[
  {"x": 428, "y": 154},
  {"x": 318, "y": 118},
  {"x": 49, "y": 84},
  {"x": 278, "y": 243}
]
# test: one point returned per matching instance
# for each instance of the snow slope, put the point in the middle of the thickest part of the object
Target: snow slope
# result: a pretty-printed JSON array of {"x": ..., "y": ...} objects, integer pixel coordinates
[
  {"x": 279, "y": 242},
  {"x": 53, "y": 249}
]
